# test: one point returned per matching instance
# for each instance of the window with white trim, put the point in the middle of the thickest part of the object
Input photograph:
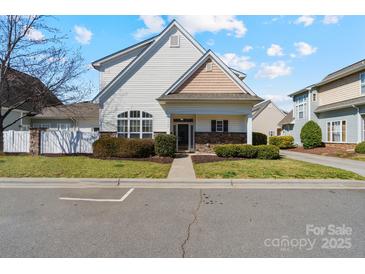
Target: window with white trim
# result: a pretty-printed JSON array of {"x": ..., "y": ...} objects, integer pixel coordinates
[
  {"x": 362, "y": 83},
  {"x": 175, "y": 41},
  {"x": 314, "y": 97},
  {"x": 134, "y": 124},
  {"x": 63, "y": 126},
  {"x": 337, "y": 131},
  {"x": 219, "y": 126},
  {"x": 301, "y": 107}
]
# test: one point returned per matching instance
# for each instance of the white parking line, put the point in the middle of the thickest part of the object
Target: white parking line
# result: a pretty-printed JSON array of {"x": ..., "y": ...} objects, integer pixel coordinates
[{"x": 99, "y": 200}]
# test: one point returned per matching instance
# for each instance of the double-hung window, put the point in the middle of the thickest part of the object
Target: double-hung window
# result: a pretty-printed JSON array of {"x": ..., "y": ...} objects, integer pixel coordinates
[
  {"x": 301, "y": 106},
  {"x": 362, "y": 83},
  {"x": 219, "y": 126},
  {"x": 337, "y": 131},
  {"x": 135, "y": 124}
]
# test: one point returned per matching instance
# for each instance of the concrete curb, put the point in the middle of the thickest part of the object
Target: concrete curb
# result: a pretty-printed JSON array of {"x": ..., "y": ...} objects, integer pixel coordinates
[{"x": 166, "y": 183}]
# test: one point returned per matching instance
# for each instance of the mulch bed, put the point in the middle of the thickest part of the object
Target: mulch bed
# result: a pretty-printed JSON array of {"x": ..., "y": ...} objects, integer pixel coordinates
[
  {"x": 154, "y": 159},
  {"x": 200, "y": 159},
  {"x": 326, "y": 151}
]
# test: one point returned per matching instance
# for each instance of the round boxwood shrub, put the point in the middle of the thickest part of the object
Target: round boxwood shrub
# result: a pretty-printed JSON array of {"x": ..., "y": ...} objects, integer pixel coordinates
[
  {"x": 246, "y": 151},
  {"x": 311, "y": 135},
  {"x": 165, "y": 145},
  {"x": 109, "y": 147},
  {"x": 360, "y": 148},
  {"x": 259, "y": 138},
  {"x": 226, "y": 151},
  {"x": 282, "y": 141},
  {"x": 268, "y": 152}
]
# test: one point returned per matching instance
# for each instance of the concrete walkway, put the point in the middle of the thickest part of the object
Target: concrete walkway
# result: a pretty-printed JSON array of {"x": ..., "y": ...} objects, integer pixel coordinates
[
  {"x": 346, "y": 164},
  {"x": 182, "y": 169}
]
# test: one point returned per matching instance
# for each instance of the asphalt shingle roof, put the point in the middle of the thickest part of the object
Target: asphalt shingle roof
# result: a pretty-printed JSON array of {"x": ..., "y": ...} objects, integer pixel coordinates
[
  {"x": 209, "y": 97},
  {"x": 85, "y": 110}
]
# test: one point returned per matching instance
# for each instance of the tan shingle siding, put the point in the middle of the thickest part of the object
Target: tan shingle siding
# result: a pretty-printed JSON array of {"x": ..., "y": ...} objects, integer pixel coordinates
[
  {"x": 215, "y": 81},
  {"x": 340, "y": 90}
]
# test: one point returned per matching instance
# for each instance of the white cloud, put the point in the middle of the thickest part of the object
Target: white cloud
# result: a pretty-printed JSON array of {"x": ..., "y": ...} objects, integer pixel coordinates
[
  {"x": 306, "y": 20},
  {"x": 282, "y": 101},
  {"x": 210, "y": 42},
  {"x": 82, "y": 35},
  {"x": 247, "y": 48},
  {"x": 212, "y": 23},
  {"x": 274, "y": 70},
  {"x": 238, "y": 62},
  {"x": 154, "y": 24},
  {"x": 331, "y": 19},
  {"x": 304, "y": 48},
  {"x": 275, "y": 50},
  {"x": 34, "y": 35}
]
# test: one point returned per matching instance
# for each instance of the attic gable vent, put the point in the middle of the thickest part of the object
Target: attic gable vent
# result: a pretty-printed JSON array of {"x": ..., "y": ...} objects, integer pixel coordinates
[
  {"x": 174, "y": 41},
  {"x": 209, "y": 66}
]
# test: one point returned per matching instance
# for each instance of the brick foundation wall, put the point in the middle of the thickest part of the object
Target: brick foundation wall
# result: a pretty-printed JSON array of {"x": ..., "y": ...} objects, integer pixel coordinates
[
  {"x": 341, "y": 146},
  {"x": 205, "y": 141}
]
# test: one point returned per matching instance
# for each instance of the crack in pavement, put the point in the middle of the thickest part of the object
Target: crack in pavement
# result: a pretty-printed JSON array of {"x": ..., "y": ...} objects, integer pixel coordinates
[{"x": 195, "y": 220}]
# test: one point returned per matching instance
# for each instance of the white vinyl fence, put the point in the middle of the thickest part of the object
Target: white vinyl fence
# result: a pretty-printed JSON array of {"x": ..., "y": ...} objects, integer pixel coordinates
[
  {"x": 16, "y": 141},
  {"x": 67, "y": 142}
]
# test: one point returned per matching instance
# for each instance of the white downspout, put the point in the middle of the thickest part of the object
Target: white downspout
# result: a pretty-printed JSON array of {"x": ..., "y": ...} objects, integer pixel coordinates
[
  {"x": 359, "y": 137},
  {"x": 249, "y": 128}
]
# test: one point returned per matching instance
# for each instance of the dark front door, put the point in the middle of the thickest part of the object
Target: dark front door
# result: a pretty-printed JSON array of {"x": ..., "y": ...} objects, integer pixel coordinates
[{"x": 183, "y": 137}]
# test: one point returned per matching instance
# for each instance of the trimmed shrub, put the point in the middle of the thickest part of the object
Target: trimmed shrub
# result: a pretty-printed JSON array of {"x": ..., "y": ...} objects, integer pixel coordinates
[
  {"x": 311, "y": 135},
  {"x": 259, "y": 138},
  {"x": 246, "y": 151},
  {"x": 108, "y": 147},
  {"x": 165, "y": 145},
  {"x": 268, "y": 152},
  {"x": 360, "y": 148},
  {"x": 226, "y": 151},
  {"x": 282, "y": 141}
]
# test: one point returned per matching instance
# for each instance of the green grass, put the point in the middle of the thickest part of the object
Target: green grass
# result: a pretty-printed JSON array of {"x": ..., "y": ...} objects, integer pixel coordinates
[
  {"x": 358, "y": 157},
  {"x": 79, "y": 167},
  {"x": 278, "y": 169}
]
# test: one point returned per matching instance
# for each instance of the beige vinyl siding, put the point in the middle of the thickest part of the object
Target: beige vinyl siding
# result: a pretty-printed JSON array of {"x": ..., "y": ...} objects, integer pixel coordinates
[
  {"x": 112, "y": 68},
  {"x": 214, "y": 81},
  {"x": 236, "y": 123},
  {"x": 143, "y": 84},
  {"x": 340, "y": 90},
  {"x": 268, "y": 120}
]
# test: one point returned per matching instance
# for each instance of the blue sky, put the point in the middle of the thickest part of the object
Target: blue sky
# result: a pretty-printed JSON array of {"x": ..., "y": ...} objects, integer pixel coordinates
[{"x": 279, "y": 54}]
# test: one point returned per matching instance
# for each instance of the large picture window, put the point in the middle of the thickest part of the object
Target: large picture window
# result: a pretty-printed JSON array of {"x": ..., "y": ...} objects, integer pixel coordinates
[
  {"x": 336, "y": 131},
  {"x": 301, "y": 107},
  {"x": 135, "y": 124}
]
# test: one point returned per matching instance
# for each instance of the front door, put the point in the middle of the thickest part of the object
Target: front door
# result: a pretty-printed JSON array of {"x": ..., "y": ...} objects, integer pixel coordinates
[{"x": 183, "y": 137}]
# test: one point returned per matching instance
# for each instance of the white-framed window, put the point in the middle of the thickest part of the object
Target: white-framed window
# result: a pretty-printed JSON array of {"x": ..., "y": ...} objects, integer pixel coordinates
[
  {"x": 134, "y": 124},
  {"x": 337, "y": 131},
  {"x": 209, "y": 66},
  {"x": 42, "y": 125},
  {"x": 314, "y": 97},
  {"x": 175, "y": 41},
  {"x": 362, "y": 83},
  {"x": 219, "y": 126},
  {"x": 301, "y": 107},
  {"x": 63, "y": 126}
]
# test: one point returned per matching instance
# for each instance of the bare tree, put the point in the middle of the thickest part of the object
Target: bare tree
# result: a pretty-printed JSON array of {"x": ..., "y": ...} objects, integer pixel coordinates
[{"x": 36, "y": 68}]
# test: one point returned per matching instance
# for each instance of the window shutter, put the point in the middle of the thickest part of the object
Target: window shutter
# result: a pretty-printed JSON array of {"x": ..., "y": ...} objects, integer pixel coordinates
[
  {"x": 213, "y": 125},
  {"x": 225, "y": 125}
]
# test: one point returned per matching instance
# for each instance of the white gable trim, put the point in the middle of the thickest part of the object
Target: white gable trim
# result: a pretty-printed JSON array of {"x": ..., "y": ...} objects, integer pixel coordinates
[
  {"x": 221, "y": 64},
  {"x": 174, "y": 23}
]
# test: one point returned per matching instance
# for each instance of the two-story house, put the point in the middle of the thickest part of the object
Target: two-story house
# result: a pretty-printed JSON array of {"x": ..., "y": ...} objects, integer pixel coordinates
[
  {"x": 337, "y": 104},
  {"x": 170, "y": 84}
]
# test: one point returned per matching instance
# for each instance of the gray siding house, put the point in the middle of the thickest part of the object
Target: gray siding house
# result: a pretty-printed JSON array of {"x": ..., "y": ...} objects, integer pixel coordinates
[
  {"x": 171, "y": 84},
  {"x": 337, "y": 104}
]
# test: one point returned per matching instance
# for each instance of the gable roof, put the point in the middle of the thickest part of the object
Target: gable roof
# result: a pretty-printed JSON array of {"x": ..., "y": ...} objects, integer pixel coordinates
[
  {"x": 83, "y": 110},
  {"x": 209, "y": 55},
  {"x": 209, "y": 97},
  {"x": 258, "y": 108},
  {"x": 136, "y": 60},
  {"x": 288, "y": 119},
  {"x": 22, "y": 86},
  {"x": 145, "y": 43}
]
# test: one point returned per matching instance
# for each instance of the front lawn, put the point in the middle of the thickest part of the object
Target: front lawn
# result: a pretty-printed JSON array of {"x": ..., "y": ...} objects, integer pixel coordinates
[
  {"x": 277, "y": 169},
  {"x": 79, "y": 167},
  {"x": 332, "y": 152}
]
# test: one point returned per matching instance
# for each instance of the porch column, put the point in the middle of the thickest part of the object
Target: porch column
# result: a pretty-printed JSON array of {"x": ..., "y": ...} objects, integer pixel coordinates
[{"x": 249, "y": 128}]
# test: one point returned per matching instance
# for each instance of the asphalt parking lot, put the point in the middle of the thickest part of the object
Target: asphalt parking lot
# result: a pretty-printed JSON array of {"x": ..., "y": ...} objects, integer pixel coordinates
[{"x": 124, "y": 222}]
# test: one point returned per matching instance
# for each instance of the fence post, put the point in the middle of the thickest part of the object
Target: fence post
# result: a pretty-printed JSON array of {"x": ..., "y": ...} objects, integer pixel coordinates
[{"x": 35, "y": 141}]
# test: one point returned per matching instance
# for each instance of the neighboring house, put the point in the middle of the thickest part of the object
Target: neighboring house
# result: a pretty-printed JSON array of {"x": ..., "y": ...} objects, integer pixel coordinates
[
  {"x": 266, "y": 116},
  {"x": 79, "y": 116},
  {"x": 21, "y": 93},
  {"x": 337, "y": 104},
  {"x": 171, "y": 84},
  {"x": 287, "y": 124}
]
